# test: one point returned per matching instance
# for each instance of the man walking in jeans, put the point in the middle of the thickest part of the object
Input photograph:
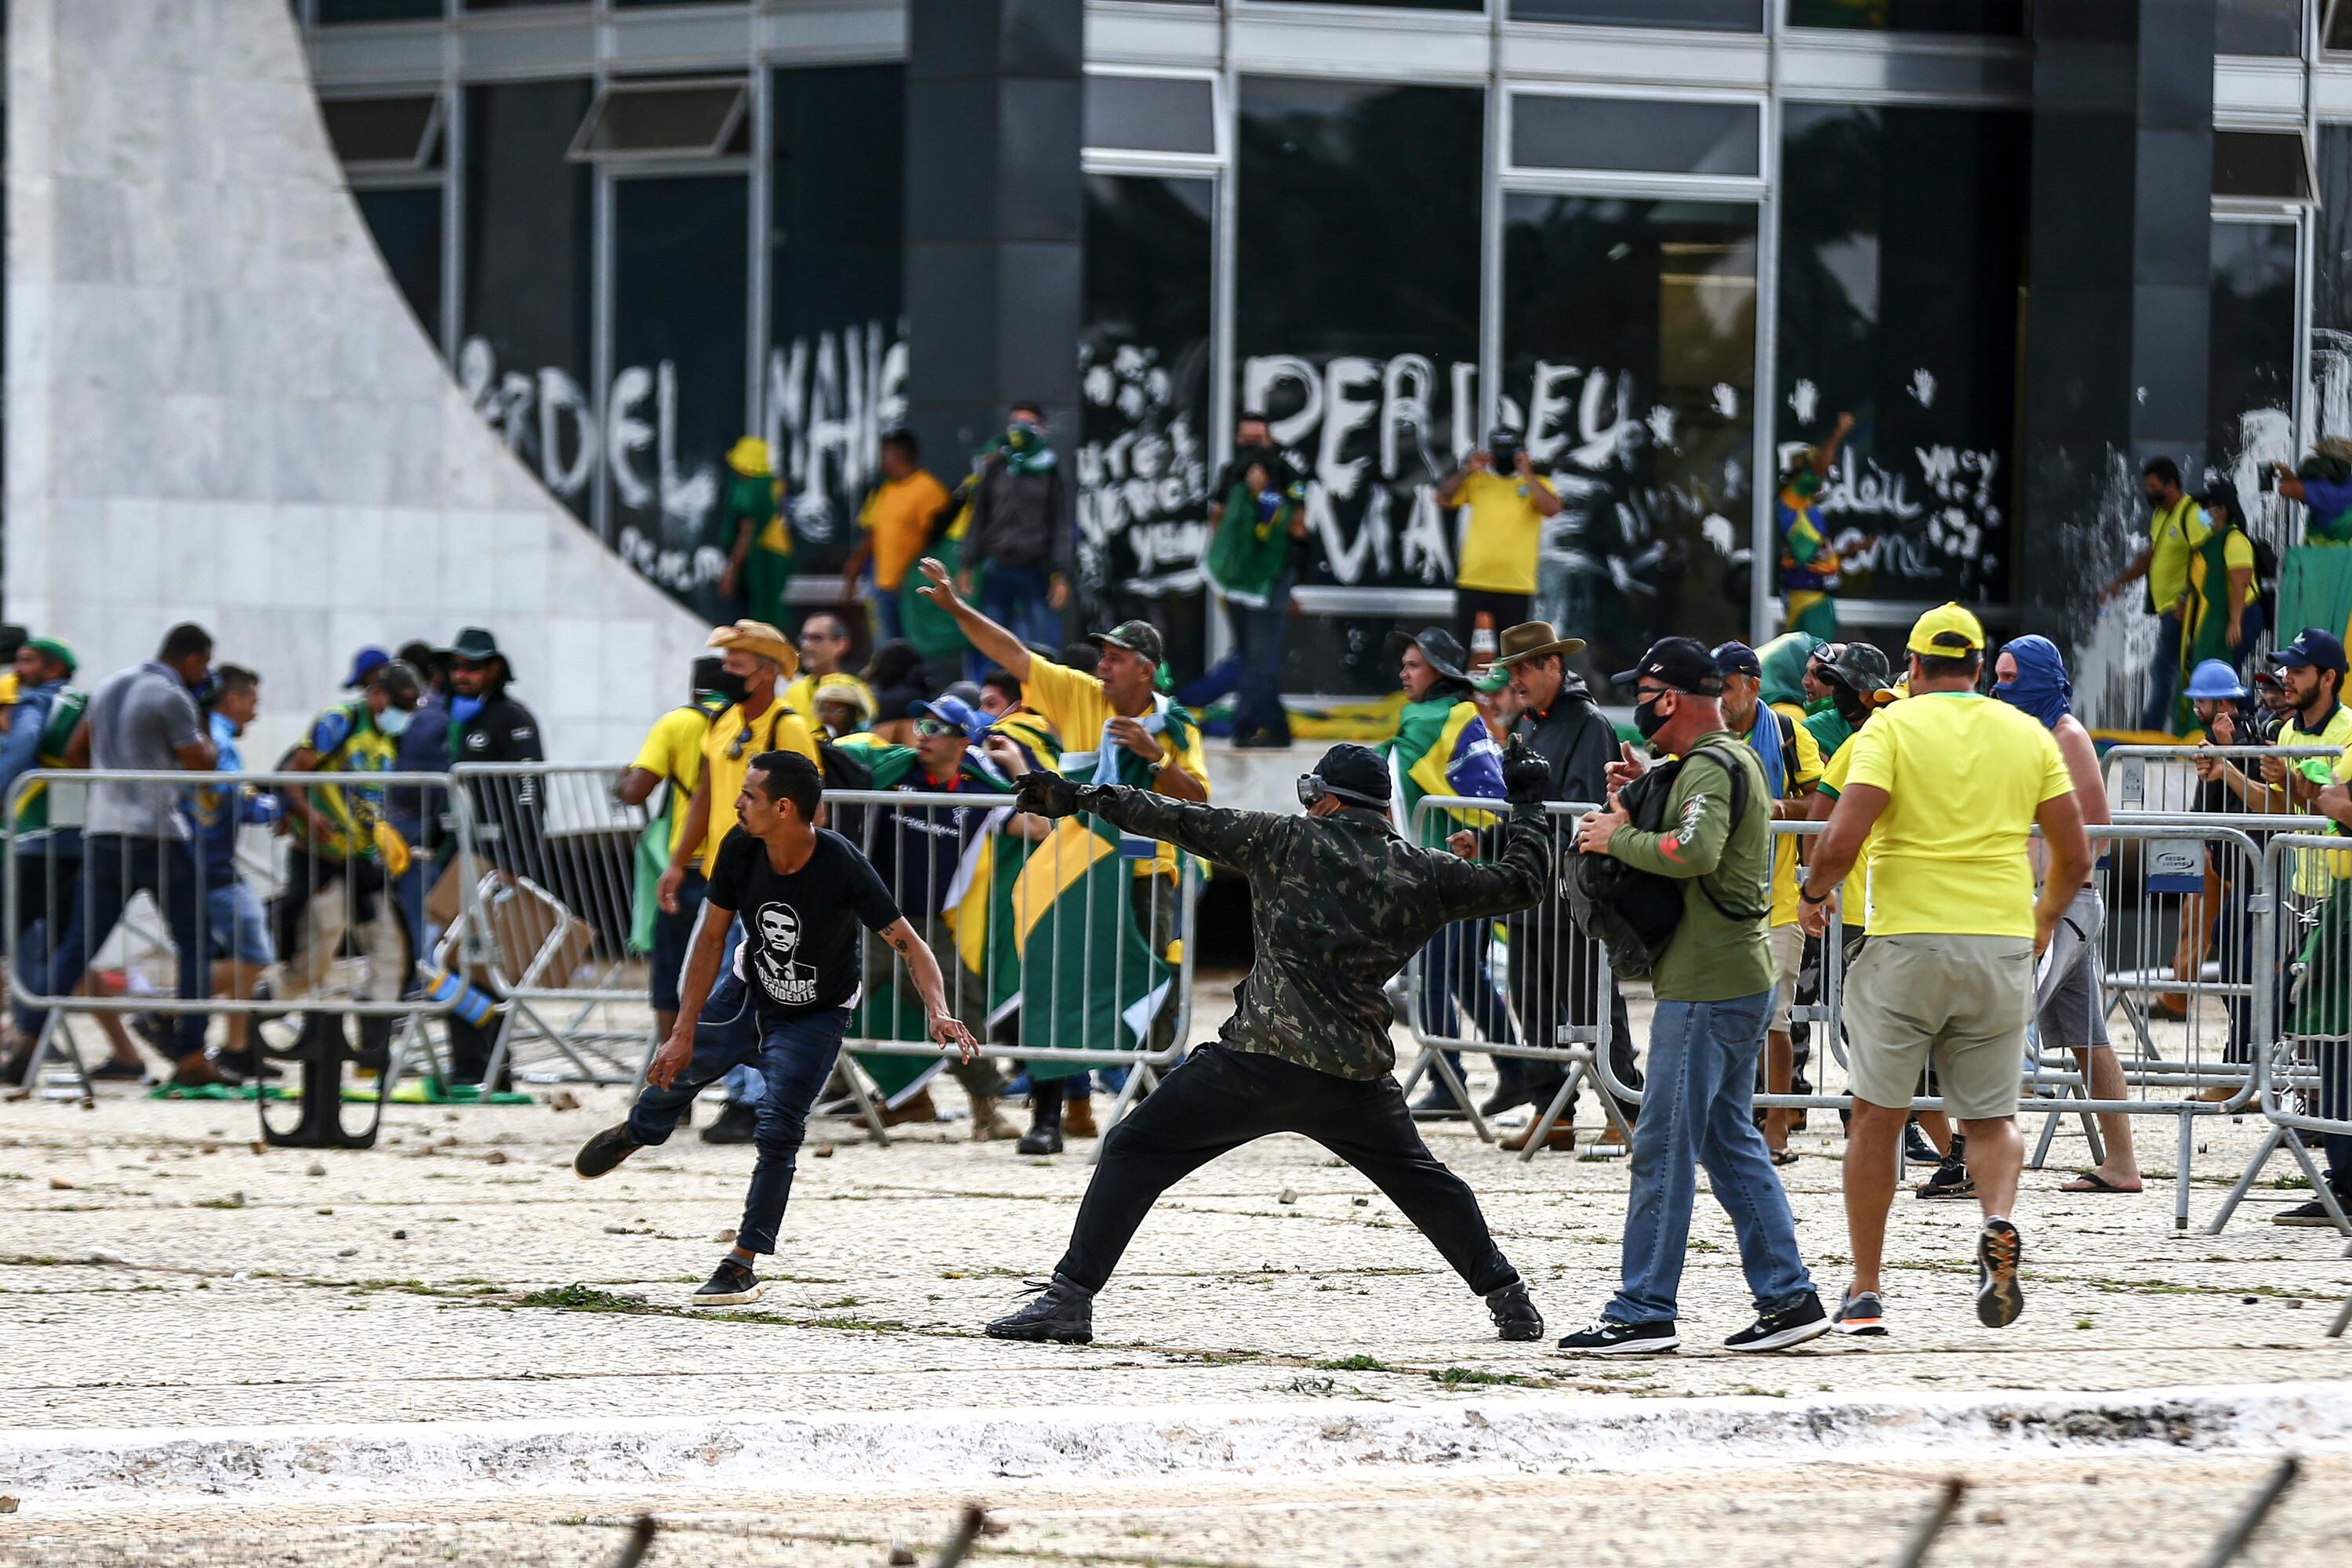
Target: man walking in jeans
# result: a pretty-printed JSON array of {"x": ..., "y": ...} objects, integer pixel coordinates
[
  {"x": 1338, "y": 904},
  {"x": 1713, "y": 985}
]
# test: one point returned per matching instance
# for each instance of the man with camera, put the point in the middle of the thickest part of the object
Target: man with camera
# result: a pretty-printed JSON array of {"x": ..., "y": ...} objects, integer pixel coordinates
[{"x": 1508, "y": 502}]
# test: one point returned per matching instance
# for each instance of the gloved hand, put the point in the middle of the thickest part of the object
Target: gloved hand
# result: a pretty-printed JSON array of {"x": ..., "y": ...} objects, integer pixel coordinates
[
  {"x": 1046, "y": 793},
  {"x": 1526, "y": 774}
]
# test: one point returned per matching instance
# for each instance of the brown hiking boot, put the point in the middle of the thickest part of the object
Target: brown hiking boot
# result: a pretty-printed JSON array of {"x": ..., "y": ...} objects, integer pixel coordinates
[
  {"x": 1078, "y": 1119},
  {"x": 1561, "y": 1137},
  {"x": 919, "y": 1108},
  {"x": 988, "y": 1122}
]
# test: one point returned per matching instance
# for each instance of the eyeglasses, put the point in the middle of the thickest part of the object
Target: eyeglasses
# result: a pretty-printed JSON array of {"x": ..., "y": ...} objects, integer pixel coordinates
[{"x": 932, "y": 729}]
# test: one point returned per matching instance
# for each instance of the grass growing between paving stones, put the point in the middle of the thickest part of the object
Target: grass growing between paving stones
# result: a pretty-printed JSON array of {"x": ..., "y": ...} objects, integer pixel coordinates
[
  {"x": 1465, "y": 1376},
  {"x": 1354, "y": 1363}
]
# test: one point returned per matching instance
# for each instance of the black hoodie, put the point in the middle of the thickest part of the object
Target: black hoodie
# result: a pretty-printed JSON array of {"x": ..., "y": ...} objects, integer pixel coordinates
[{"x": 1578, "y": 742}]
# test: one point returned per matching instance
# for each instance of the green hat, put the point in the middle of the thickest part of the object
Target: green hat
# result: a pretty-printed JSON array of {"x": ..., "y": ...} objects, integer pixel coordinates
[
  {"x": 1497, "y": 677},
  {"x": 56, "y": 650}
]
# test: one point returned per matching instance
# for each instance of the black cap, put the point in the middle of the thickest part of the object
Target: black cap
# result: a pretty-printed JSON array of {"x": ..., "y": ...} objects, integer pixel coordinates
[
  {"x": 399, "y": 679},
  {"x": 475, "y": 645},
  {"x": 1356, "y": 774},
  {"x": 1437, "y": 646},
  {"x": 1138, "y": 638},
  {"x": 1685, "y": 664},
  {"x": 2311, "y": 646},
  {"x": 1738, "y": 658}
]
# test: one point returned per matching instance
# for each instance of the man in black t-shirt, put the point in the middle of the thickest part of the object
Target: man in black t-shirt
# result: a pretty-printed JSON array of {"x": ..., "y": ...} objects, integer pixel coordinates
[{"x": 802, "y": 893}]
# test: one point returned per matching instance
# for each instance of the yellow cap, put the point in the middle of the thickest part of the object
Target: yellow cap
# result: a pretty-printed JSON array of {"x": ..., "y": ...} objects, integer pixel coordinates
[
  {"x": 1948, "y": 631},
  {"x": 749, "y": 458}
]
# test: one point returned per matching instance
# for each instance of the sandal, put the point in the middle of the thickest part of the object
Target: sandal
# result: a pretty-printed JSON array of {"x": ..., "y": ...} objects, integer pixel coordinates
[
  {"x": 2091, "y": 1181},
  {"x": 1784, "y": 1156}
]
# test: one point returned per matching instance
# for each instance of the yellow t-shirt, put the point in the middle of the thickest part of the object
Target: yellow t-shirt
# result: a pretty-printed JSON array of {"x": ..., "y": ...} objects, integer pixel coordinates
[
  {"x": 7, "y": 689},
  {"x": 1075, "y": 705},
  {"x": 1503, "y": 532},
  {"x": 1804, "y": 774},
  {"x": 728, "y": 748},
  {"x": 1963, "y": 775},
  {"x": 1854, "y": 905},
  {"x": 898, "y": 515},
  {"x": 2174, "y": 534},
  {"x": 2237, "y": 555},
  {"x": 672, "y": 752},
  {"x": 800, "y": 696},
  {"x": 2314, "y": 873}
]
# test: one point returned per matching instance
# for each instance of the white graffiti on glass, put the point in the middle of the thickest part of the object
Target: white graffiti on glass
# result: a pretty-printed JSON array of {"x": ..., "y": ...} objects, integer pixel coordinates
[{"x": 1144, "y": 486}]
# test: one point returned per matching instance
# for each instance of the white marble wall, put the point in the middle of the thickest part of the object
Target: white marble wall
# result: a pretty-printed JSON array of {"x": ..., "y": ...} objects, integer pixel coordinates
[{"x": 220, "y": 409}]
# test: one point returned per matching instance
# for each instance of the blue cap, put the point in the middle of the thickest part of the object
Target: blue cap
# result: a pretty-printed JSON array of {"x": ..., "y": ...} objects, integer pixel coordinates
[
  {"x": 1738, "y": 658},
  {"x": 952, "y": 711},
  {"x": 364, "y": 663},
  {"x": 2314, "y": 647},
  {"x": 2214, "y": 681}
]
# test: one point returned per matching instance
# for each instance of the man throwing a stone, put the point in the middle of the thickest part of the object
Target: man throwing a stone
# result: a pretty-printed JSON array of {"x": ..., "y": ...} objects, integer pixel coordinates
[{"x": 1338, "y": 903}]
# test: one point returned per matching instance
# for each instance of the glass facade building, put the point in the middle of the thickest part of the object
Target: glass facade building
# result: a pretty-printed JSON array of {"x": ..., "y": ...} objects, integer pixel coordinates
[{"x": 1672, "y": 240}]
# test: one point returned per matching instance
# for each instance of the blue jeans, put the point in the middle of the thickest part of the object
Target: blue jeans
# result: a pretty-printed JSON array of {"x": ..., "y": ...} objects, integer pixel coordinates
[
  {"x": 1453, "y": 970},
  {"x": 2163, "y": 670},
  {"x": 1698, "y": 1109},
  {"x": 743, "y": 1083},
  {"x": 114, "y": 866},
  {"x": 1014, "y": 598},
  {"x": 1259, "y": 633},
  {"x": 793, "y": 1056},
  {"x": 890, "y": 622}
]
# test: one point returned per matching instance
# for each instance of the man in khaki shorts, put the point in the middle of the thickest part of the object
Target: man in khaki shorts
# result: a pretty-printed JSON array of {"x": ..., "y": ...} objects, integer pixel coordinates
[{"x": 1946, "y": 787}]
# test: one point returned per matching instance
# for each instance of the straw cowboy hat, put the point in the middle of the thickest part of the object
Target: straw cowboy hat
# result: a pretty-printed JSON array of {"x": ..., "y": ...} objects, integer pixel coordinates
[{"x": 759, "y": 639}]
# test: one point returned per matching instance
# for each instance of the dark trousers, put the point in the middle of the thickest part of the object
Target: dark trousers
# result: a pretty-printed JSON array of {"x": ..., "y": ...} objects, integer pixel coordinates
[
  {"x": 1221, "y": 1099},
  {"x": 794, "y": 1057},
  {"x": 1258, "y": 636},
  {"x": 1454, "y": 980},
  {"x": 115, "y": 867},
  {"x": 1555, "y": 973}
]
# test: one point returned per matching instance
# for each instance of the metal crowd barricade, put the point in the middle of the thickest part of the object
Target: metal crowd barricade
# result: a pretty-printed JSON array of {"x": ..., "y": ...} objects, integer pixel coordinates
[
  {"x": 1556, "y": 1002},
  {"x": 142, "y": 924},
  {"x": 1053, "y": 949}
]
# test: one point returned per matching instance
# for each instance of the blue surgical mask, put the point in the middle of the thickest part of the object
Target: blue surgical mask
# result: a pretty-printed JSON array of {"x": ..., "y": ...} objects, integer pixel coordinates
[
  {"x": 394, "y": 721},
  {"x": 462, "y": 709}
]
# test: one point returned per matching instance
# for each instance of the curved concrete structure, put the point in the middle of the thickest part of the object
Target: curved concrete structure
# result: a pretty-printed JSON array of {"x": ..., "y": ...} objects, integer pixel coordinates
[{"x": 220, "y": 409}]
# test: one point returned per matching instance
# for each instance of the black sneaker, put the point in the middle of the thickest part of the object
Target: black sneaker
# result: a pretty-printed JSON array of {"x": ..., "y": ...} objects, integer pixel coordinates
[
  {"x": 1951, "y": 1180},
  {"x": 1515, "y": 1315},
  {"x": 1604, "y": 1336},
  {"x": 604, "y": 1152},
  {"x": 1062, "y": 1314},
  {"x": 731, "y": 1285},
  {"x": 1782, "y": 1329},
  {"x": 2000, "y": 1296},
  {"x": 1506, "y": 1097},
  {"x": 1861, "y": 1313},
  {"x": 1437, "y": 1104},
  {"x": 1917, "y": 1150},
  {"x": 2313, "y": 1214},
  {"x": 738, "y": 1123}
]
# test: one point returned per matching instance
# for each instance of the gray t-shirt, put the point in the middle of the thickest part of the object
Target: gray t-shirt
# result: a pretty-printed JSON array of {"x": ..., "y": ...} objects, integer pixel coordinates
[{"x": 139, "y": 719}]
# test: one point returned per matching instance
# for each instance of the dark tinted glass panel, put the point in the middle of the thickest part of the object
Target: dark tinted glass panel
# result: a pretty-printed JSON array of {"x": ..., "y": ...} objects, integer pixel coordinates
[
  {"x": 2260, "y": 163},
  {"x": 1143, "y": 361},
  {"x": 679, "y": 122},
  {"x": 1356, "y": 325},
  {"x": 1629, "y": 359},
  {"x": 1902, "y": 258},
  {"x": 528, "y": 243},
  {"x": 836, "y": 369},
  {"x": 2250, "y": 392},
  {"x": 681, "y": 276},
  {"x": 1151, "y": 115},
  {"x": 378, "y": 129},
  {"x": 2258, "y": 27},
  {"x": 407, "y": 228},
  {"x": 1549, "y": 132},
  {"x": 2331, "y": 284},
  {"x": 516, "y": 4},
  {"x": 1402, "y": 4},
  {"x": 1911, "y": 15},
  {"x": 332, "y": 11},
  {"x": 1726, "y": 16}
]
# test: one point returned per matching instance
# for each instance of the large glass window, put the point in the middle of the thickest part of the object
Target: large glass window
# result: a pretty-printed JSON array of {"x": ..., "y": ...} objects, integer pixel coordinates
[
  {"x": 2331, "y": 285},
  {"x": 1629, "y": 345},
  {"x": 1551, "y": 131},
  {"x": 1143, "y": 356},
  {"x": 1723, "y": 15},
  {"x": 1902, "y": 261},
  {"x": 529, "y": 240},
  {"x": 681, "y": 284},
  {"x": 406, "y": 223},
  {"x": 2007, "y": 16},
  {"x": 2250, "y": 386},
  {"x": 1355, "y": 327},
  {"x": 2258, "y": 27},
  {"x": 837, "y": 367},
  {"x": 334, "y": 11}
]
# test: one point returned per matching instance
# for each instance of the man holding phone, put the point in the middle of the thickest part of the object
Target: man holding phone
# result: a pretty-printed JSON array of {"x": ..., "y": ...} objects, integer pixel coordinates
[{"x": 1509, "y": 503}]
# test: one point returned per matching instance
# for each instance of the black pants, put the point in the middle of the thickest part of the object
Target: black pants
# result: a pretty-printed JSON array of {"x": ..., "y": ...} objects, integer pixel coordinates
[
  {"x": 1221, "y": 1099},
  {"x": 1554, "y": 974}
]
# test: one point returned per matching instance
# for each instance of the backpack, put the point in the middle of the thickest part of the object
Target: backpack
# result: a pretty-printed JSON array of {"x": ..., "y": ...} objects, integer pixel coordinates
[
  {"x": 2266, "y": 579},
  {"x": 1635, "y": 913}
]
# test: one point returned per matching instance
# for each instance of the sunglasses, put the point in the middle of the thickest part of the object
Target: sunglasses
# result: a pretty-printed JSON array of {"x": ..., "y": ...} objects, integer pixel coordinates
[
  {"x": 736, "y": 747},
  {"x": 932, "y": 729},
  {"x": 469, "y": 664}
]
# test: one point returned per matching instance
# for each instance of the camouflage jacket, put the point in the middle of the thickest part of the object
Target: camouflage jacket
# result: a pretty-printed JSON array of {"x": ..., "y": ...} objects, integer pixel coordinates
[{"x": 1338, "y": 904}]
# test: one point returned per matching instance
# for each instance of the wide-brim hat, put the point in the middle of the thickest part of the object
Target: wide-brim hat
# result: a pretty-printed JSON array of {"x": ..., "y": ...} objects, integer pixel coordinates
[
  {"x": 846, "y": 689},
  {"x": 760, "y": 639},
  {"x": 1534, "y": 639},
  {"x": 477, "y": 646},
  {"x": 1437, "y": 646}
]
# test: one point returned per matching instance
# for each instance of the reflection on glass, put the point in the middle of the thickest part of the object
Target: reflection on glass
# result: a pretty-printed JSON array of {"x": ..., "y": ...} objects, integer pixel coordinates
[
  {"x": 2331, "y": 285},
  {"x": 2003, "y": 16},
  {"x": 1902, "y": 260},
  {"x": 1150, "y": 114},
  {"x": 1356, "y": 325},
  {"x": 836, "y": 364},
  {"x": 331, "y": 12},
  {"x": 1143, "y": 359},
  {"x": 2250, "y": 386},
  {"x": 2258, "y": 27},
  {"x": 407, "y": 225},
  {"x": 529, "y": 239},
  {"x": 1721, "y": 15},
  {"x": 1557, "y": 132},
  {"x": 681, "y": 273},
  {"x": 1629, "y": 359}
]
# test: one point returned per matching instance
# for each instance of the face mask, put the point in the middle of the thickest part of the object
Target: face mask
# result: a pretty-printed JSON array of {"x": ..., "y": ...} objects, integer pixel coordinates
[
  {"x": 462, "y": 709},
  {"x": 1849, "y": 705},
  {"x": 730, "y": 687},
  {"x": 1647, "y": 719},
  {"x": 202, "y": 689},
  {"x": 1021, "y": 435},
  {"x": 394, "y": 723}
]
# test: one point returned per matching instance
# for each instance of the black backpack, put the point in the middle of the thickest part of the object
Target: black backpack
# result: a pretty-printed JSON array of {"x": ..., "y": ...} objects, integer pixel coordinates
[{"x": 1635, "y": 913}]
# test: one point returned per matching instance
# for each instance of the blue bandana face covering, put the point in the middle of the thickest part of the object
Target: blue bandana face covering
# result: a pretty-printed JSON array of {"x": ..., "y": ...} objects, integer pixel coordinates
[{"x": 2040, "y": 687}]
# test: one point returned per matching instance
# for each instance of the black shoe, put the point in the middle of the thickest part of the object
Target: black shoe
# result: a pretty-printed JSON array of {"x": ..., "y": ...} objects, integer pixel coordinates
[
  {"x": 2311, "y": 1216},
  {"x": 732, "y": 1284},
  {"x": 1045, "y": 1134},
  {"x": 1515, "y": 1315},
  {"x": 1917, "y": 1150},
  {"x": 1062, "y": 1314},
  {"x": 112, "y": 1071},
  {"x": 738, "y": 1123},
  {"x": 1040, "y": 1141},
  {"x": 1437, "y": 1104},
  {"x": 1951, "y": 1180},
  {"x": 2000, "y": 1296},
  {"x": 1604, "y": 1336},
  {"x": 1506, "y": 1097},
  {"x": 1779, "y": 1330},
  {"x": 604, "y": 1152}
]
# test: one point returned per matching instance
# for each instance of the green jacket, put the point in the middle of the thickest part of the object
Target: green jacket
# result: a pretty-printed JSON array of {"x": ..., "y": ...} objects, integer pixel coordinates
[{"x": 1713, "y": 957}]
